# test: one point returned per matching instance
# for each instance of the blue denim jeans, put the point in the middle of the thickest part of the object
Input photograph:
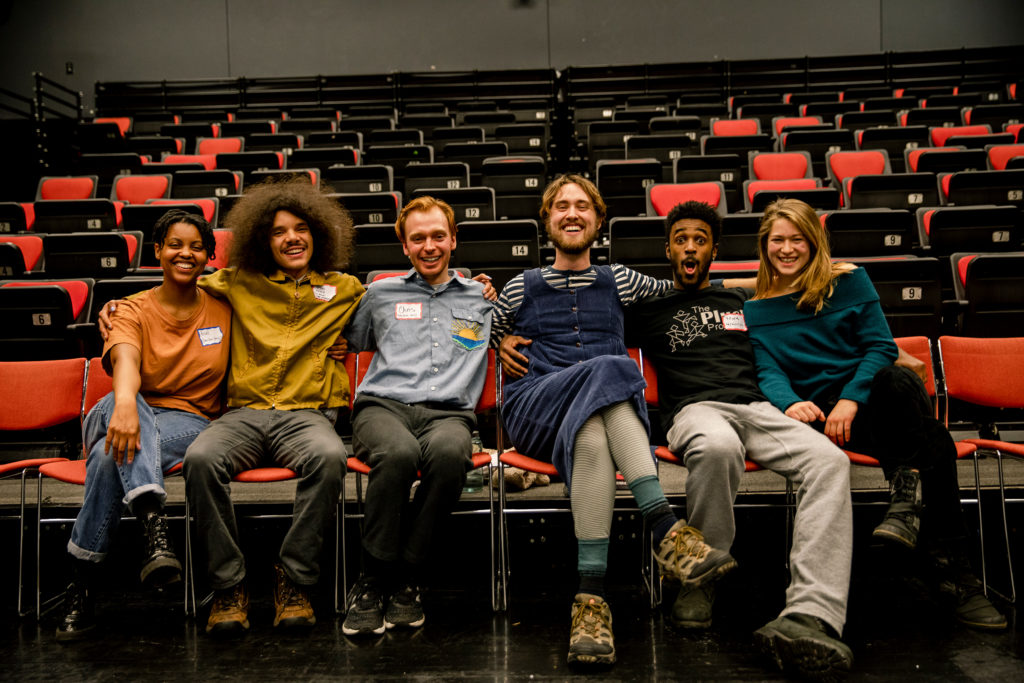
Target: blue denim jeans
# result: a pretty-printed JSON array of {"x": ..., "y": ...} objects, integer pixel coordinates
[{"x": 164, "y": 433}]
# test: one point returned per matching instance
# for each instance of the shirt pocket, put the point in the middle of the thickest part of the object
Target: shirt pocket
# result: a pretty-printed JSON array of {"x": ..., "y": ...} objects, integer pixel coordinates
[{"x": 468, "y": 329}]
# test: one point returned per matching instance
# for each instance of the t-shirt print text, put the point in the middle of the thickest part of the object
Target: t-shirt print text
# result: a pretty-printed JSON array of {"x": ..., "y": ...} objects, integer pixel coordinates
[{"x": 697, "y": 321}]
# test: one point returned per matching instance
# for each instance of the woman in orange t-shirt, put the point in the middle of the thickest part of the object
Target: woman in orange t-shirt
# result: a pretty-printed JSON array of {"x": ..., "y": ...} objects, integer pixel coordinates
[{"x": 168, "y": 355}]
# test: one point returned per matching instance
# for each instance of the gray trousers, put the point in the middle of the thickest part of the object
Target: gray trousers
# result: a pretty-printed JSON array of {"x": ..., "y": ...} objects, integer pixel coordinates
[
  {"x": 244, "y": 438},
  {"x": 714, "y": 438},
  {"x": 398, "y": 441}
]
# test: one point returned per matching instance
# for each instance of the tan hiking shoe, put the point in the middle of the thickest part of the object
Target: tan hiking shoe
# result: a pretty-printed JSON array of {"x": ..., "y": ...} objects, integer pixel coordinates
[
  {"x": 229, "y": 615},
  {"x": 590, "y": 637},
  {"x": 684, "y": 556},
  {"x": 292, "y": 608}
]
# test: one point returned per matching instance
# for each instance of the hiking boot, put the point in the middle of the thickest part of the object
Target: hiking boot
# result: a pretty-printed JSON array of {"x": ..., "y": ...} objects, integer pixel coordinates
[
  {"x": 903, "y": 518},
  {"x": 590, "y": 637},
  {"x": 803, "y": 645},
  {"x": 229, "y": 615},
  {"x": 405, "y": 608},
  {"x": 291, "y": 604},
  {"x": 79, "y": 614},
  {"x": 364, "y": 609},
  {"x": 160, "y": 567},
  {"x": 692, "y": 608},
  {"x": 684, "y": 556}
]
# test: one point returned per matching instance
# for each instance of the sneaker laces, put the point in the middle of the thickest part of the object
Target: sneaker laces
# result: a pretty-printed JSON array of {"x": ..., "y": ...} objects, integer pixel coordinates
[
  {"x": 589, "y": 619},
  {"x": 690, "y": 542},
  {"x": 364, "y": 594}
]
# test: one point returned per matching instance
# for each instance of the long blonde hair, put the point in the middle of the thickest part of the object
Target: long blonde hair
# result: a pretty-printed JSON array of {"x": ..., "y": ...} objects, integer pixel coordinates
[{"x": 815, "y": 282}]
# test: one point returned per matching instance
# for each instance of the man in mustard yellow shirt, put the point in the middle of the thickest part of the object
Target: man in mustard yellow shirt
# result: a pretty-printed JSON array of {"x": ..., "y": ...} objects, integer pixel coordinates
[{"x": 282, "y": 392}]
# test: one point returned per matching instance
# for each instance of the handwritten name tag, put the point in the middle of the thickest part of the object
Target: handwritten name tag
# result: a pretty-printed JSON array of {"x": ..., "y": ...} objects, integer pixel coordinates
[
  {"x": 734, "y": 321},
  {"x": 408, "y": 311},
  {"x": 324, "y": 292},
  {"x": 210, "y": 335}
]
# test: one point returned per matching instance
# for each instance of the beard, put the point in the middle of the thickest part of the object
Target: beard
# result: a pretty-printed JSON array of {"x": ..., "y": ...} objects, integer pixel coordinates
[
  {"x": 700, "y": 274},
  {"x": 573, "y": 245}
]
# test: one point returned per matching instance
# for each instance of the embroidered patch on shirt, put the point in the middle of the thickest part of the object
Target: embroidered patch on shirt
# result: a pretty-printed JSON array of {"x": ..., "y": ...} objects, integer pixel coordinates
[
  {"x": 408, "y": 311},
  {"x": 466, "y": 333},
  {"x": 210, "y": 335},
  {"x": 734, "y": 321},
  {"x": 324, "y": 292}
]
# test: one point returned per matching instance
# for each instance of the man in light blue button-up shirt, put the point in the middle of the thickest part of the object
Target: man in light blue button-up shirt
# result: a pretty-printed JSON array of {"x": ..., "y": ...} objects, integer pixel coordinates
[{"x": 413, "y": 414}]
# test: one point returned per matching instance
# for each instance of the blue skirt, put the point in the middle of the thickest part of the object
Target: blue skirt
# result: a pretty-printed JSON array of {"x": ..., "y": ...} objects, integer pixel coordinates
[{"x": 543, "y": 413}]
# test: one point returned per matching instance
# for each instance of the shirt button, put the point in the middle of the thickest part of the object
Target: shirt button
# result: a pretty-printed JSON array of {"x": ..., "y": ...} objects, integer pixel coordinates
[
  {"x": 575, "y": 328},
  {"x": 435, "y": 320},
  {"x": 434, "y": 370},
  {"x": 433, "y": 388},
  {"x": 578, "y": 344},
  {"x": 574, "y": 309},
  {"x": 435, "y": 345}
]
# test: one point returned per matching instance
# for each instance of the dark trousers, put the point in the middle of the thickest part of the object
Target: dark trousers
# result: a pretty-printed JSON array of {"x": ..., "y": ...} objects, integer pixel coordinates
[
  {"x": 897, "y": 426},
  {"x": 244, "y": 438},
  {"x": 398, "y": 440}
]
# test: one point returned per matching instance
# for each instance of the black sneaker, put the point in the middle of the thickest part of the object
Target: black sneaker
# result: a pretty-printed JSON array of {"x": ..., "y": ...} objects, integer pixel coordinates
[
  {"x": 78, "y": 617},
  {"x": 405, "y": 609},
  {"x": 364, "y": 609},
  {"x": 802, "y": 644}
]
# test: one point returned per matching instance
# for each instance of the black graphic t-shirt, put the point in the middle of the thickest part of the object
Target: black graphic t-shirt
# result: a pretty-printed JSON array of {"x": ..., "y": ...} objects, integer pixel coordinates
[{"x": 697, "y": 342}]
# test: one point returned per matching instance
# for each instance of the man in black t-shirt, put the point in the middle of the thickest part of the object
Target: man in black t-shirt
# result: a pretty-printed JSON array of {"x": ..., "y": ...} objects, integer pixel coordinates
[{"x": 715, "y": 416}]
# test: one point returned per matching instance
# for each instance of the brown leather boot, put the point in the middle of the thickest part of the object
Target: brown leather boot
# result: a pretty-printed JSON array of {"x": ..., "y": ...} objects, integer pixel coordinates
[
  {"x": 229, "y": 616},
  {"x": 291, "y": 604}
]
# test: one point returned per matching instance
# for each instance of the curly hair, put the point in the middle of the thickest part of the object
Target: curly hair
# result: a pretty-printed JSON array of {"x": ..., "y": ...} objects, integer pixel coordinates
[
  {"x": 252, "y": 218},
  {"x": 697, "y": 211}
]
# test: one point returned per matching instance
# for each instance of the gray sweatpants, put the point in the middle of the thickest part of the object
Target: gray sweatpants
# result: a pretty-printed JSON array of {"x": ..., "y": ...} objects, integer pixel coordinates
[{"x": 714, "y": 438}]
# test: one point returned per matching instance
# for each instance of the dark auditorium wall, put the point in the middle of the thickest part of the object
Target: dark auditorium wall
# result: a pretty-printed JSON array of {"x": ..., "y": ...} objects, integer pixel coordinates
[{"x": 191, "y": 39}]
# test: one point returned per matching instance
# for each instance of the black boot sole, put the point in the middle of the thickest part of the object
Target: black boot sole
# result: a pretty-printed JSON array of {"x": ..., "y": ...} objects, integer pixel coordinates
[{"x": 160, "y": 572}]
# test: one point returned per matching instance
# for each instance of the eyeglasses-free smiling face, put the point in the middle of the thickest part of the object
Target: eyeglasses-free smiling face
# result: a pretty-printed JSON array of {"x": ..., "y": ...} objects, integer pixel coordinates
[
  {"x": 428, "y": 244},
  {"x": 787, "y": 249},
  {"x": 572, "y": 223},
  {"x": 291, "y": 243},
  {"x": 182, "y": 255}
]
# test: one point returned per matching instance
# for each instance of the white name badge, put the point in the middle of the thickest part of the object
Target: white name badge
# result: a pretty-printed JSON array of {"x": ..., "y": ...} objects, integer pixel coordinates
[
  {"x": 324, "y": 292},
  {"x": 210, "y": 335},
  {"x": 734, "y": 321},
  {"x": 408, "y": 311}
]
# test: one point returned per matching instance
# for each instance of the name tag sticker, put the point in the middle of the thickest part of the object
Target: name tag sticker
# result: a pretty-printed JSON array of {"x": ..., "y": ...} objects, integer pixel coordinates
[
  {"x": 408, "y": 311},
  {"x": 734, "y": 321},
  {"x": 324, "y": 292},
  {"x": 210, "y": 335}
]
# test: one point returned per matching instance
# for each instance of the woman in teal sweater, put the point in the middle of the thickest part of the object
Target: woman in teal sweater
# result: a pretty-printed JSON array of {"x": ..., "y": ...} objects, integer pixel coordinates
[{"x": 825, "y": 356}]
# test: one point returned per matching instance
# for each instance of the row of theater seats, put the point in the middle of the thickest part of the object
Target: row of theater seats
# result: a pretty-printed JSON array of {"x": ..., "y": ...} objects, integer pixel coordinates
[{"x": 970, "y": 293}]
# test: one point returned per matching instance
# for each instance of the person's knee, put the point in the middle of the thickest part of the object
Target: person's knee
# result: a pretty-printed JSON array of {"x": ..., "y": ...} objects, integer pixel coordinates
[
  {"x": 329, "y": 457},
  {"x": 450, "y": 463},
  {"x": 719, "y": 451},
  {"x": 203, "y": 458},
  {"x": 834, "y": 464}
]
